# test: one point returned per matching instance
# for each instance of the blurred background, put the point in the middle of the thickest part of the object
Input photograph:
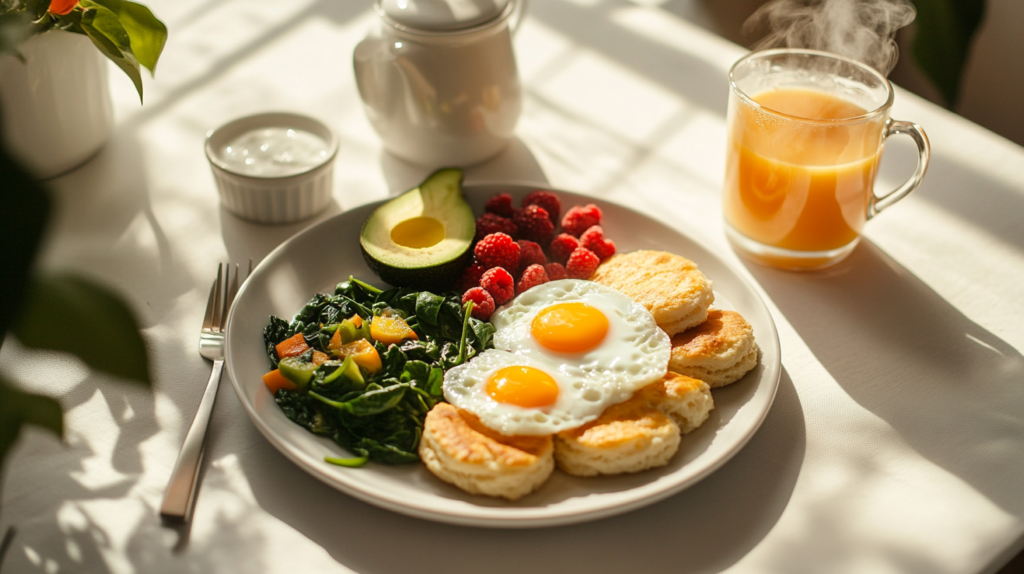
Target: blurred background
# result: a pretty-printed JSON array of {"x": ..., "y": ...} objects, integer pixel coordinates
[{"x": 992, "y": 89}]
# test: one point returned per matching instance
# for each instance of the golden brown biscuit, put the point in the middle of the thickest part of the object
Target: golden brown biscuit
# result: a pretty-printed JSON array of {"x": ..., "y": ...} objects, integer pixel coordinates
[
  {"x": 638, "y": 434},
  {"x": 719, "y": 351},
  {"x": 669, "y": 286},
  {"x": 628, "y": 437},
  {"x": 460, "y": 450},
  {"x": 686, "y": 400}
]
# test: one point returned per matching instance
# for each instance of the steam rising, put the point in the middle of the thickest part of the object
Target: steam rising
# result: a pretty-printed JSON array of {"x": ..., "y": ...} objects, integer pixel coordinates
[{"x": 858, "y": 29}]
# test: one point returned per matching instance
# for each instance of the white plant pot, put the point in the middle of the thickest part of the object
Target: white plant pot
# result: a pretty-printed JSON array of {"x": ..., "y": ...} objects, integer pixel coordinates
[{"x": 55, "y": 106}]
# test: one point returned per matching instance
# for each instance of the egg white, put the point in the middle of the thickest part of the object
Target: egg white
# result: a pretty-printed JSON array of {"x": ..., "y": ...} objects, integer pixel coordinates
[
  {"x": 578, "y": 402},
  {"x": 633, "y": 354}
]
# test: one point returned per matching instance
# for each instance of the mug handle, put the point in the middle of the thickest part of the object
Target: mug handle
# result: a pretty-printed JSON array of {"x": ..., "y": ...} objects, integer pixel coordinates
[
  {"x": 517, "y": 17},
  {"x": 924, "y": 152}
]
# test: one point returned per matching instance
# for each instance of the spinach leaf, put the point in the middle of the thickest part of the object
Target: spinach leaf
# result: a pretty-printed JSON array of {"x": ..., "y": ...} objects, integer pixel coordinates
[
  {"x": 483, "y": 333},
  {"x": 428, "y": 306},
  {"x": 275, "y": 332},
  {"x": 434, "y": 382},
  {"x": 369, "y": 403},
  {"x": 393, "y": 361},
  {"x": 383, "y": 420},
  {"x": 426, "y": 351}
]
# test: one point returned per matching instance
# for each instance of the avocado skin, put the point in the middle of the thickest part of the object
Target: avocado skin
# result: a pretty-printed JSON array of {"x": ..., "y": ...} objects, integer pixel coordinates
[{"x": 436, "y": 279}]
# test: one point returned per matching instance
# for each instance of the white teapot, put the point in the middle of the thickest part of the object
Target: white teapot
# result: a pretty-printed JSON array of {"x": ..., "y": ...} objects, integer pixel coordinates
[{"x": 439, "y": 80}]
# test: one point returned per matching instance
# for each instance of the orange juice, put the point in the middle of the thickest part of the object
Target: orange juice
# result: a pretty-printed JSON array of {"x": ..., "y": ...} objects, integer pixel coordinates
[{"x": 800, "y": 179}]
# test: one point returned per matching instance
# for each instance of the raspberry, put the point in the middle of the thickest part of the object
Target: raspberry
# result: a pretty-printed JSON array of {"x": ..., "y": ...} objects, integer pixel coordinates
[
  {"x": 470, "y": 276},
  {"x": 579, "y": 219},
  {"x": 546, "y": 200},
  {"x": 533, "y": 276},
  {"x": 593, "y": 239},
  {"x": 489, "y": 223},
  {"x": 499, "y": 284},
  {"x": 483, "y": 303},
  {"x": 530, "y": 254},
  {"x": 500, "y": 204},
  {"x": 562, "y": 246},
  {"x": 582, "y": 264},
  {"x": 555, "y": 271},
  {"x": 497, "y": 250},
  {"x": 534, "y": 224}
]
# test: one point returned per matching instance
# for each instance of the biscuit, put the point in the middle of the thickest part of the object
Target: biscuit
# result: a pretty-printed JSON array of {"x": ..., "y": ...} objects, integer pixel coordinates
[
  {"x": 719, "y": 351},
  {"x": 686, "y": 400},
  {"x": 628, "y": 437},
  {"x": 638, "y": 434},
  {"x": 669, "y": 286},
  {"x": 457, "y": 448}
]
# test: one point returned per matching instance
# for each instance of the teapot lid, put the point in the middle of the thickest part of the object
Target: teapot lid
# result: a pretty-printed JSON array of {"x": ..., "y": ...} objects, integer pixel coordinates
[{"x": 441, "y": 15}]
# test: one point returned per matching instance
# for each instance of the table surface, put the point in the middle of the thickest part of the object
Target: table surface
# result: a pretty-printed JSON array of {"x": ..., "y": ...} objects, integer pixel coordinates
[{"x": 896, "y": 441}]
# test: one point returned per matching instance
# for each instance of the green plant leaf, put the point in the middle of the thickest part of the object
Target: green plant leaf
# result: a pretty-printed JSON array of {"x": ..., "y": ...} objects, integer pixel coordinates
[
  {"x": 106, "y": 32},
  {"x": 127, "y": 62},
  {"x": 25, "y": 206},
  {"x": 67, "y": 313},
  {"x": 148, "y": 34},
  {"x": 18, "y": 408},
  {"x": 105, "y": 21},
  {"x": 70, "y": 22},
  {"x": 944, "y": 31}
]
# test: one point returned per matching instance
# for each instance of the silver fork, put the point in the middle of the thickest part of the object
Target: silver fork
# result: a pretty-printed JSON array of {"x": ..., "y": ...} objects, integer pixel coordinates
[{"x": 181, "y": 489}]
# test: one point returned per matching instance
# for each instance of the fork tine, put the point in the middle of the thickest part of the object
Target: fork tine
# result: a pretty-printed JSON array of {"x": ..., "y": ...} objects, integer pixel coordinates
[
  {"x": 218, "y": 304},
  {"x": 212, "y": 304},
  {"x": 229, "y": 297}
]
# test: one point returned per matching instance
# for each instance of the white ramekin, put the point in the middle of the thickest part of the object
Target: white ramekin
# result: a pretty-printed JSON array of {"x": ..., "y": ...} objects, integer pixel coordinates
[{"x": 271, "y": 199}]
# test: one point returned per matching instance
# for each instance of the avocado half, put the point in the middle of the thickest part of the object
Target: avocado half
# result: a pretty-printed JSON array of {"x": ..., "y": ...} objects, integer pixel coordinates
[{"x": 422, "y": 238}]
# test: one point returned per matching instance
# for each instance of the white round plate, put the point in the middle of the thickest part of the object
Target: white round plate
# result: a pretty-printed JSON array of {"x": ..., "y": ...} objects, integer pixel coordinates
[{"x": 327, "y": 253}]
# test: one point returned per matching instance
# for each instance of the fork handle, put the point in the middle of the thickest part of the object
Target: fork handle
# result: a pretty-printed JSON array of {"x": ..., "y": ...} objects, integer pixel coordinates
[{"x": 181, "y": 489}]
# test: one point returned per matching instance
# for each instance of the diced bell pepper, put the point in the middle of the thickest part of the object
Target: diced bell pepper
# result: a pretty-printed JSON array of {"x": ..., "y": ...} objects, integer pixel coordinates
[
  {"x": 389, "y": 329},
  {"x": 363, "y": 353},
  {"x": 297, "y": 371},
  {"x": 348, "y": 331},
  {"x": 348, "y": 370},
  {"x": 319, "y": 358},
  {"x": 292, "y": 346},
  {"x": 275, "y": 381}
]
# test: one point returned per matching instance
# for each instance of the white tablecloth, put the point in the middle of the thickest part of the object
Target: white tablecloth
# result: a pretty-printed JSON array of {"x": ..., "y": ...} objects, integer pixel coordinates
[{"x": 896, "y": 441}]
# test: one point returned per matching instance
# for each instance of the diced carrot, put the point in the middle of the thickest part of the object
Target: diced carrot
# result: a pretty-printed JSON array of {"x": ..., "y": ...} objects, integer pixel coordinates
[
  {"x": 319, "y": 358},
  {"x": 356, "y": 320},
  {"x": 335, "y": 340},
  {"x": 292, "y": 347},
  {"x": 363, "y": 354},
  {"x": 276, "y": 381},
  {"x": 390, "y": 329}
]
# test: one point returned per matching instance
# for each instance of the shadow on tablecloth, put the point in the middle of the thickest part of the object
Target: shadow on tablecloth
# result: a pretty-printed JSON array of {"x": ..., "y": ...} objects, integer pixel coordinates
[
  {"x": 948, "y": 387},
  {"x": 705, "y": 528},
  {"x": 515, "y": 164}
]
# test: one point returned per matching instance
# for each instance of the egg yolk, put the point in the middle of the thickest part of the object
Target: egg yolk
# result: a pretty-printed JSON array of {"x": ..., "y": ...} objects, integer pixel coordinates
[
  {"x": 522, "y": 386},
  {"x": 569, "y": 327}
]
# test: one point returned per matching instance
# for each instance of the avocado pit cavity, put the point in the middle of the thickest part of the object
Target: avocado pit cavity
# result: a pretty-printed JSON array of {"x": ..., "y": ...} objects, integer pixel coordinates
[{"x": 418, "y": 233}]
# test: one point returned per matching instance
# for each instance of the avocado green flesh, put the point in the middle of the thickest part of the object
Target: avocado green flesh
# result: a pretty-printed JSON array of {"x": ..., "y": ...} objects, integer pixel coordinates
[{"x": 429, "y": 260}]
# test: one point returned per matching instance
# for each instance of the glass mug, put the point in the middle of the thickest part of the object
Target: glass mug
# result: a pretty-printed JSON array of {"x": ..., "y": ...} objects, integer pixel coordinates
[{"x": 805, "y": 135}]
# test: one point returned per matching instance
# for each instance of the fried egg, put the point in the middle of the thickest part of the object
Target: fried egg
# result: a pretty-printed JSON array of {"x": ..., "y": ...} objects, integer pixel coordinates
[
  {"x": 515, "y": 395},
  {"x": 586, "y": 331},
  {"x": 564, "y": 351}
]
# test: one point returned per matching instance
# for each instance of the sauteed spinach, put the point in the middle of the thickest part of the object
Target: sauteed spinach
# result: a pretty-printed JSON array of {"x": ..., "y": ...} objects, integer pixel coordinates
[{"x": 376, "y": 413}]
